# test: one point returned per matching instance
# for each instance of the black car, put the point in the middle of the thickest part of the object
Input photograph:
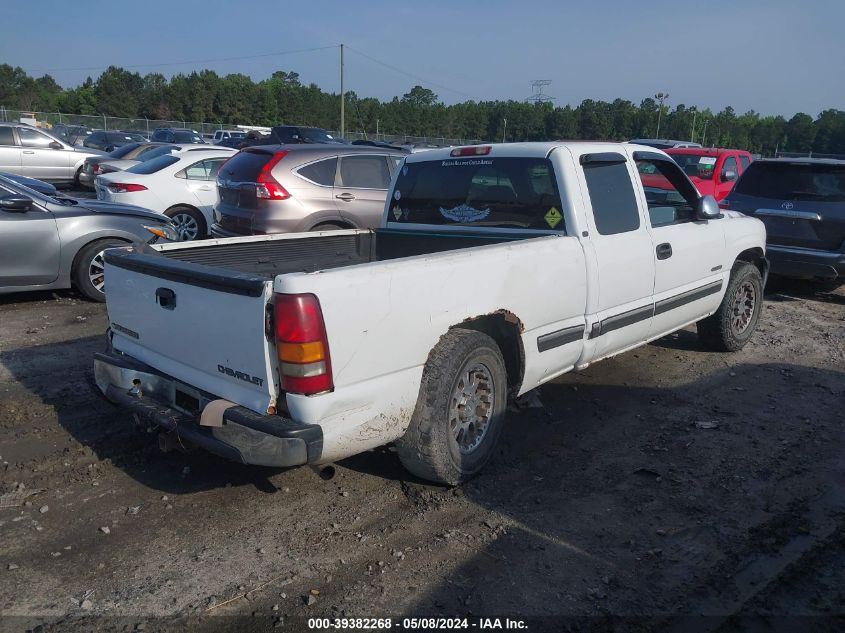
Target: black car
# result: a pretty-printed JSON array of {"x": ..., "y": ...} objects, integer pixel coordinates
[
  {"x": 382, "y": 144},
  {"x": 298, "y": 134},
  {"x": 176, "y": 135},
  {"x": 802, "y": 203},
  {"x": 109, "y": 141}
]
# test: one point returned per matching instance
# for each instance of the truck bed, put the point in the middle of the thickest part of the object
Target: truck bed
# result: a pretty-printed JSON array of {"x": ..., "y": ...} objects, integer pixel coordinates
[{"x": 309, "y": 253}]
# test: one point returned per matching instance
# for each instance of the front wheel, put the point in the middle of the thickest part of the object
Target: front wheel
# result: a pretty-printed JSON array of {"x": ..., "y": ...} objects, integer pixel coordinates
[
  {"x": 731, "y": 326},
  {"x": 460, "y": 409},
  {"x": 89, "y": 269}
]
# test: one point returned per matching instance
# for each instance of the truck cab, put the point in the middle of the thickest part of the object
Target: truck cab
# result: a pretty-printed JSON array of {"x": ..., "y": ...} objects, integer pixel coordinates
[{"x": 713, "y": 171}]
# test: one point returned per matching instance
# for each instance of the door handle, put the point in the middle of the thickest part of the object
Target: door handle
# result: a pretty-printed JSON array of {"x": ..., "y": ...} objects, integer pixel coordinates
[
  {"x": 166, "y": 298},
  {"x": 205, "y": 188},
  {"x": 28, "y": 151},
  {"x": 664, "y": 251},
  {"x": 347, "y": 197}
]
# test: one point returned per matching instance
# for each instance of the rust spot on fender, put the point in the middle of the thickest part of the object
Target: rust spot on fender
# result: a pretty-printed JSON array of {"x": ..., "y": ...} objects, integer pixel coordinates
[{"x": 510, "y": 317}]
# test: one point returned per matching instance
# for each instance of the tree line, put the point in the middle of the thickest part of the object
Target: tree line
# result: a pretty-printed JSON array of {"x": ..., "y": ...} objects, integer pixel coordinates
[{"x": 205, "y": 96}]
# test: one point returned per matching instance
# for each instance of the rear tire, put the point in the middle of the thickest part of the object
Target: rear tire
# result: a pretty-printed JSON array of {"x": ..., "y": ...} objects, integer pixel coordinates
[
  {"x": 88, "y": 270},
  {"x": 190, "y": 223},
  {"x": 460, "y": 409},
  {"x": 732, "y": 325}
]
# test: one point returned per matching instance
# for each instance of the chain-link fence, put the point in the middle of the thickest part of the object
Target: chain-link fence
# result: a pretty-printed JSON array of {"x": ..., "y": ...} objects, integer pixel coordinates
[{"x": 146, "y": 126}]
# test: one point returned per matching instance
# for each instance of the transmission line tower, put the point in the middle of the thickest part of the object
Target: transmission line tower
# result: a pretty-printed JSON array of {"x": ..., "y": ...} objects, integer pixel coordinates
[{"x": 537, "y": 94}]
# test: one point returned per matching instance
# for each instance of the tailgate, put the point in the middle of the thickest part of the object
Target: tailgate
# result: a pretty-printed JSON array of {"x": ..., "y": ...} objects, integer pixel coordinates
[{"x": 203, "y": 326}]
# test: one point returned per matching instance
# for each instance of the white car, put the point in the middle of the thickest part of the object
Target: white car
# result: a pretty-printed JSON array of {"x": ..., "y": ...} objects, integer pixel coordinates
[
  {"x": 496, "y": 269},
  {"x": 180, "y": 185}
]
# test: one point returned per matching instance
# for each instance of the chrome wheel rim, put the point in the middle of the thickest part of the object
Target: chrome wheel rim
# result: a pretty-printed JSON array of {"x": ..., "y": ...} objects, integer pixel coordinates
[
  {"x": 186, "y": 226},
  {"x": 97, "y": 272},
  {"x": 745, "y": 300},
  {"x": 471, "y": 407}
]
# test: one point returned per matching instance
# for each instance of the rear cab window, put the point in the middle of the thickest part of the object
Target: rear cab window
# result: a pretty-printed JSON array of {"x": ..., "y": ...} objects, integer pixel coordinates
[{"x": 484, "y": 191}]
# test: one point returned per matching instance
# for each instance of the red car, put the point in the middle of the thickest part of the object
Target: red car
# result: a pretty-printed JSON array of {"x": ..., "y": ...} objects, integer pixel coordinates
[{"x": 713, "y": 171}]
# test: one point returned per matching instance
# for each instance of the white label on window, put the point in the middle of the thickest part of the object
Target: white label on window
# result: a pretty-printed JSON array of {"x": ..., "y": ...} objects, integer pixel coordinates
[{"x": 707, "y": 160}]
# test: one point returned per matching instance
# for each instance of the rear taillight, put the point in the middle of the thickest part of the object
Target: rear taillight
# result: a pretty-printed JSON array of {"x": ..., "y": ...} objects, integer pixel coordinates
[
  {"x": 476, "y": 150},
  {"x": 302, "y": 345},
  {"x": 97, "y": 168},
  {"x": 724, "y": 203},
  {"x": 125, "y": 187},
  {"x": 266, "y": 186}
]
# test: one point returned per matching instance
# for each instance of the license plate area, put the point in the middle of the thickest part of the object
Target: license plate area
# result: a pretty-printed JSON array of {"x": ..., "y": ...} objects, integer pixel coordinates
[{"x": 188, "y": 400}]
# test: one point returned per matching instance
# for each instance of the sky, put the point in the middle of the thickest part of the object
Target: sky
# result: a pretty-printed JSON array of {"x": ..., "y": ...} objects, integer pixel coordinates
[{"x": 774, "y": 57}]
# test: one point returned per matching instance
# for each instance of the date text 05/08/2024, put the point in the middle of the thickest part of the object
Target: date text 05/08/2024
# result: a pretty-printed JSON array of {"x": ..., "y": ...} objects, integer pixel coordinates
[{"x": 416, "y": 623}]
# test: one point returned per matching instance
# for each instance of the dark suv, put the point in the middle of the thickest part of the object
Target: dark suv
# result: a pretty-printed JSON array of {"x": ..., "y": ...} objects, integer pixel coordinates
[
  {"x": 802, "y": 203},
  {"x": 109, "y": 141},
  {"x": 176, "y": 135},
  {"x": 298, "y": 134}
]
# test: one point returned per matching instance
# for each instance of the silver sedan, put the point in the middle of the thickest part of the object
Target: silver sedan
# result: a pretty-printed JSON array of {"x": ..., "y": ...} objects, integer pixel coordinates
[{"x": 58, "y": 242}]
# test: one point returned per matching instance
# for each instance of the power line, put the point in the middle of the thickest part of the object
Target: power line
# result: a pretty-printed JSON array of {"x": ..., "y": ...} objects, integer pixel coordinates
[
  {"x": 196, "y": 61},
  {"x": 407, "y": 74}
]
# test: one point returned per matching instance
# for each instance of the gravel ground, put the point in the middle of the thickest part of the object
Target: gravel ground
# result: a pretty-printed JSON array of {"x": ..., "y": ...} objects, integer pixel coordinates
[{"x": 668, "y": 481}]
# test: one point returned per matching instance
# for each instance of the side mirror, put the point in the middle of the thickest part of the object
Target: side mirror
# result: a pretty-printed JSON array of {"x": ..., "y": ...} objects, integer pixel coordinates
[
  {"x": 15, "y": 203},
  {"x": 56, "y": 145},
  {"x": 707, "y": 209},
  {"x": 728, "y": 175}
]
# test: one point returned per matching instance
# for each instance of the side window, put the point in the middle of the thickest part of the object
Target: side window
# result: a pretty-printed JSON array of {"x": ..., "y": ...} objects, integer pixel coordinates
[
  {"x": 7, "y": 137},
  {"x": 744, "y": 161},
  {"x": 197, "y": 171},
  {"x": 213, "y": 166},
  {"x": 322, "y": 172},
  {"x": 364, "y": 172},
  {"x": 32, "y": 138},
  {"x": 397, "y": 160},
  {"x": 729, "y": 165},
  {"x": 670, "y": 197},
  {"x": 612, "y": 196}
]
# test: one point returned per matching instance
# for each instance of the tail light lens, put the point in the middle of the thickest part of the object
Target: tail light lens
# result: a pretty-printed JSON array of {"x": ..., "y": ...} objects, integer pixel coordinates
[
  {"x": 267, "y": 187},
  {"x": 302, "y": 346},
  {"x": 125, "y": 187},
  {"x": 97, "y": 168}
]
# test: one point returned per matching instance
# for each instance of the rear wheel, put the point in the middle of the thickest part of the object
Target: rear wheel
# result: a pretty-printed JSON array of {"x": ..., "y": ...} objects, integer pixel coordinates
[
  {"x": 460, "y": 410},
  {"x": 190, "y": 223},
  {"x": 89, "y": 269},
  {"x": 733, "y": 324}
]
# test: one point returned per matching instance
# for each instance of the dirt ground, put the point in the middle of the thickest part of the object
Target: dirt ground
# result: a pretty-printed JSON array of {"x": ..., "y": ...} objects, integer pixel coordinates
[{"x": 665, "y": 482}]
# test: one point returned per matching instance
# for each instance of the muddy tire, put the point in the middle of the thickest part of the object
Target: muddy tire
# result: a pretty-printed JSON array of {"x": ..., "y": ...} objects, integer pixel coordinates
[
  {"x": 733, "y": 324},
  {"x": 88, "y": 269},
  {"x": 460, "y": 410}
]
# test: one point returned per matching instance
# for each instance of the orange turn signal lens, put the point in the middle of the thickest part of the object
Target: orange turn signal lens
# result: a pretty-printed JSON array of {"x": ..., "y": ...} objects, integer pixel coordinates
[{"x": 301, "y": 352}]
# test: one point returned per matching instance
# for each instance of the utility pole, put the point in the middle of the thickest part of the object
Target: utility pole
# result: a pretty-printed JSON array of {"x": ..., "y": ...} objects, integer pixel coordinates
[
  {"x": 505, "y": 131},
  {"x": 376, "y": 129},
  {"x": 704, "y": 136},
  {"x": 342, "y": 98},
  {"x": 692, "y": 133},
  {"x": 661, "y": 99}
]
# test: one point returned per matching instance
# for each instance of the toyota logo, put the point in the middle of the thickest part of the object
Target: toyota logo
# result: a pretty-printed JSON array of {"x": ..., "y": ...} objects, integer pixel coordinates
[{"x": 787, "y": 205}]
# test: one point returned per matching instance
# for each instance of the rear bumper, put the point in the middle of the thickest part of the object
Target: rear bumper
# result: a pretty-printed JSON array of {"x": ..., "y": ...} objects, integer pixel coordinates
[
  {"x": 791, "y": 261},
  {"x": 245, "y": 437},
  {"x": 86, "y": 179}
]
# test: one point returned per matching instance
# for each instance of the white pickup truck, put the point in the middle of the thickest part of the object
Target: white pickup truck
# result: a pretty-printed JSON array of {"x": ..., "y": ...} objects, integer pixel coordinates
[{"x": 496, "y": 269}]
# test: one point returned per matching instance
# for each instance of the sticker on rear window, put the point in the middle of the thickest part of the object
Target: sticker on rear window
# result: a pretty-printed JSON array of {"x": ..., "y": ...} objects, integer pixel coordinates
[
  {"x": 707, "y": 160},
  {"x": 553, "y": 217},
  {"x": 397, "y": 195},
  {"x": 464, "y": 213},
  {"x": 397, "y": 212},
  {"x": 464, "y": 163}
]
